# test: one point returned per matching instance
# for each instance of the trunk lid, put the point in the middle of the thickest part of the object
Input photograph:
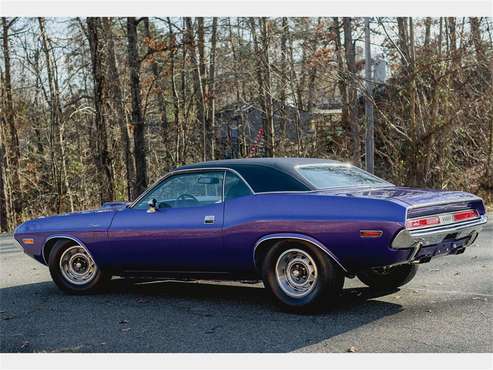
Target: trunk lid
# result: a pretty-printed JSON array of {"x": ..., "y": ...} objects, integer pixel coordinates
[{"x": 420, "y": 202}]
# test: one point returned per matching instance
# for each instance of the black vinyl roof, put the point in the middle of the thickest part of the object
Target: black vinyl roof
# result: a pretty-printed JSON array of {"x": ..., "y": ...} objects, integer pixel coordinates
[{"x": 267, "y": 174}]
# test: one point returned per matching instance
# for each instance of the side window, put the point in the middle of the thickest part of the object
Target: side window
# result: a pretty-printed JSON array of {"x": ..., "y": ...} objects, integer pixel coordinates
[
  {"x": 187, "y": 190},
  {"x": 235, "y": 187}
]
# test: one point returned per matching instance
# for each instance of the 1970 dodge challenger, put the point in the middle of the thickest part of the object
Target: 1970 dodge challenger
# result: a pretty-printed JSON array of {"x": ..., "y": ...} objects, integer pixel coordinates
[{"x": 299, "y": 225}]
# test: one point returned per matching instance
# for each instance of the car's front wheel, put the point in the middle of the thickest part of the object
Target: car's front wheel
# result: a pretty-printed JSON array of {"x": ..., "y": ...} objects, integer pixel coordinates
[
  {"x": 73, "y": 269},
  {"x": 301, "y": 277},
  {"x": 390, "y": 278}
]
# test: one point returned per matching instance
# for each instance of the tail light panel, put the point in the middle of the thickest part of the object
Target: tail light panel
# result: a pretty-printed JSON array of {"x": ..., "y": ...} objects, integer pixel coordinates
[
  {"x": 465, "y": 215},
  {"x": 441, "y": 219}
]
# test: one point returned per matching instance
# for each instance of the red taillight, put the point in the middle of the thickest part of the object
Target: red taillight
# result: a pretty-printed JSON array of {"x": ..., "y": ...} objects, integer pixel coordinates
[
  {"x": 422, "y": 222},
  {"x": 465, "y": 215}
]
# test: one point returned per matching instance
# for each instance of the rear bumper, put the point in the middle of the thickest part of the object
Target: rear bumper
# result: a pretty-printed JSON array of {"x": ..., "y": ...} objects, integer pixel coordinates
[
  {"x": 457, "y": 231},
  {"x": 443, "y": 240}
]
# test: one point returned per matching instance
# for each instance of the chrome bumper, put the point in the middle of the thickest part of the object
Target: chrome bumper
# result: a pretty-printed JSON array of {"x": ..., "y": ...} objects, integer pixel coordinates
[{"x": 410, "y": 239}]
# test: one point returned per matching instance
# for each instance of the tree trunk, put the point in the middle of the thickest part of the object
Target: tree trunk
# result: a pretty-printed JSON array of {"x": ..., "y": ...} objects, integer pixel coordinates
[
  {"x": 269, "y": 106},
  {"x": 412, "y": 93},
  {"x": 211, "y": 99},
  {"x": 103, "y": 159},
  {"x": 157, "y": 79},
  {"x": 403, "y": 40},
  {"x": 176, "y": 102},
  {"x": 427, "y": 31},
  {"x": 114, "y": 87},
  {"x": 13, "y": 153},
  {"x": 140, "y": 182},
  {"x": 198, "y": 88},
  {"x": 312, "y": 75},
  {"x": 4, "y": 224},
  {"x": 284, "y": 77},
  {"x": 295, "y": 86},
  {"x": 476, "y": 39},
  {"x": 56, "y": 152},
  {"x": 341, "y": 74},
  {"x": 370, "y": 140},
  {"x": 352, "y": 92}
]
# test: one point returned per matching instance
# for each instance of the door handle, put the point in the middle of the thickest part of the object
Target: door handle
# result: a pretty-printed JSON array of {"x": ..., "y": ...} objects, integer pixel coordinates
[{"x": 209, "y": 219}]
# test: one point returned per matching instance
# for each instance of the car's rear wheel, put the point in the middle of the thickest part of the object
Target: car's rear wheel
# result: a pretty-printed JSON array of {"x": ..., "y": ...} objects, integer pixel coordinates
[
  {"x": 390, "y": 278},
  {"x": 73, "y": 269},
  {"x": 301, "y": 277}
]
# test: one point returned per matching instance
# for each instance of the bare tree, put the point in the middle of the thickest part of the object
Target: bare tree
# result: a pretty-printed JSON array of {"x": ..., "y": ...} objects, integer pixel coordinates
[
  {"x": 264, "y": 81},
  {"x": 161, "y": 103},
  {"x": 352, "y": 92},
  {"x": 114, "y": 87},
  {"x": 211, "y": 100},
  {"x": 198, "y": 87},
  {"x": 4, "y": 224},
  {"x": 9, "y": 119},
  {"x": 137, "y": 124},
  {"x": 103, "y": 159}
]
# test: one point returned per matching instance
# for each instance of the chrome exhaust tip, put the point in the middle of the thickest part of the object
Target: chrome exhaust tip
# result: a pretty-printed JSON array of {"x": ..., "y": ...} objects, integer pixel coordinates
[{"x": 472, "y": 238}]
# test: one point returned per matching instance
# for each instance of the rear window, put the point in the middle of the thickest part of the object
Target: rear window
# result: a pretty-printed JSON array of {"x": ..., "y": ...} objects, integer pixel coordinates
[{"x": 333, "y": 176}]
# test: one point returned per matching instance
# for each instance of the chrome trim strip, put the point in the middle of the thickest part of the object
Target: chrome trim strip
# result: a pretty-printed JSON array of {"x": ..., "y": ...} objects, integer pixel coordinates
[
  {"x": 306, "y": 239},
  {"x": 82, "y": 245},
  {"x": 200, "y": 169}
]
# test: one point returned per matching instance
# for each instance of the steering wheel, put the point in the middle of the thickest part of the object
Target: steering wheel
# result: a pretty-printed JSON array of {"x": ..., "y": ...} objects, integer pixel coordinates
[{"x": 186, "y": 196}]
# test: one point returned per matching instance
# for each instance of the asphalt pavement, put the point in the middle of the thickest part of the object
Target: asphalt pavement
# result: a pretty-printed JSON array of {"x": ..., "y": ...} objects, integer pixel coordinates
[{"x": 446, "y": 308}]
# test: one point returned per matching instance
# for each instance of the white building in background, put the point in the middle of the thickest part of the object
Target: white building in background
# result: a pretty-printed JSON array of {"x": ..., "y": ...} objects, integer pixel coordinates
[{"x": 380, "y": 66}]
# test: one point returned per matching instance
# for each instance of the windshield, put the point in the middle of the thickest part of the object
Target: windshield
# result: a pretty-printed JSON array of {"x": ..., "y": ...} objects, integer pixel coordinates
[{"x": 333, "y": 176}]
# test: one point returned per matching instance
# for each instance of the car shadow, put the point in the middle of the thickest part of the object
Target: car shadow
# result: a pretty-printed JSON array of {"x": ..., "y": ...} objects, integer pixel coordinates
[{"x": 170, "y": 316}]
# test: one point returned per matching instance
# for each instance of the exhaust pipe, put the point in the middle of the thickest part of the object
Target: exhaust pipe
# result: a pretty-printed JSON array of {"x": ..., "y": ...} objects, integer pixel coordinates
[{"x": 472, "y": 238}]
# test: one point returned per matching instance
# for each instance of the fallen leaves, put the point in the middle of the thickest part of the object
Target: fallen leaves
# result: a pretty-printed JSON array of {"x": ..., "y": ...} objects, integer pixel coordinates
[
  {"x": 6, "y": 316},
  {"x": 480, "y": 299},
  {"x": 213, "y": 329}
]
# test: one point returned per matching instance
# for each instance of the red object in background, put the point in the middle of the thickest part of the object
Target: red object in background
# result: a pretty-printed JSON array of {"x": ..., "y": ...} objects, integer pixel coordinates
[{"x": 253, "y": 149}]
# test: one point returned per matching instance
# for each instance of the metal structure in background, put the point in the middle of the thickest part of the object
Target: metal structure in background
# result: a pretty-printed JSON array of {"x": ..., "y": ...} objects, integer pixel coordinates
[{"x": 370, "y": 140}]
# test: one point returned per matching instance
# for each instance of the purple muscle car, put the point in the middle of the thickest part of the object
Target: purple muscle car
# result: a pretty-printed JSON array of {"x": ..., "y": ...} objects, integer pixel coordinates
[{"x": 299, "y": 225}]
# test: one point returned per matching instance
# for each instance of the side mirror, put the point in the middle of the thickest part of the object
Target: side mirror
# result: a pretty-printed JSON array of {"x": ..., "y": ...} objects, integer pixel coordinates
[{"x": 152, "y": 206}]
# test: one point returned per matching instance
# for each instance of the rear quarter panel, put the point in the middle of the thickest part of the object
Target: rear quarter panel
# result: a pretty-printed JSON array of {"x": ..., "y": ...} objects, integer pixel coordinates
[{"x": 334, "y": 221}]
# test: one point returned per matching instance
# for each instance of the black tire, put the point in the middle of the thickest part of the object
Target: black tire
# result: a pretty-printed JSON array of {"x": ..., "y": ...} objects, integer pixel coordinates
[
  {"x": 98, "y": 280},
  {"x": 329, "y": 281},
  {"x": 392, "y": 278}
]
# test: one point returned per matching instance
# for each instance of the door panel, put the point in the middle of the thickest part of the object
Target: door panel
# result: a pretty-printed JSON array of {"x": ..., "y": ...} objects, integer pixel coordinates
[
  {"x": 168, "y": 239},
  {"x": 183, "y": 232}
]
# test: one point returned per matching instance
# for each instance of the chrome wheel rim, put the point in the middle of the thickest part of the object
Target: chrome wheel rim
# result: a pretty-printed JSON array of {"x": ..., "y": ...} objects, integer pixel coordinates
[
  {"x": 296, "y": 273},
  {"x": 77, "y": 266}
]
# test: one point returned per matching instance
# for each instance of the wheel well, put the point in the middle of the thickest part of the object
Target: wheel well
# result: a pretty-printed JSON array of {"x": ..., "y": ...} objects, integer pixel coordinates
[
  {"x": 49, "y": 246},
  {"x": 262, "y": 249}
]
